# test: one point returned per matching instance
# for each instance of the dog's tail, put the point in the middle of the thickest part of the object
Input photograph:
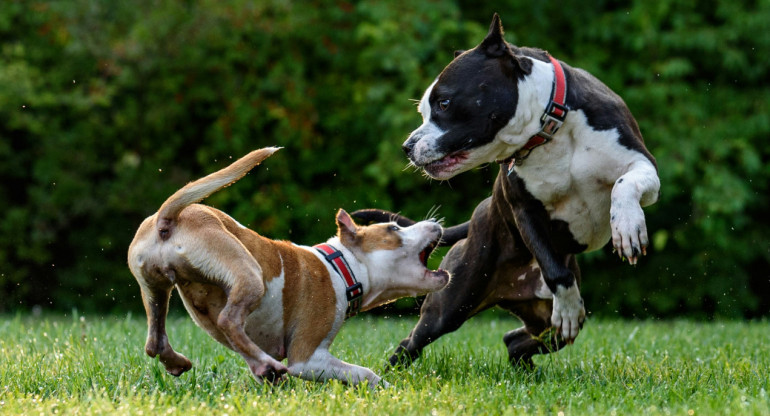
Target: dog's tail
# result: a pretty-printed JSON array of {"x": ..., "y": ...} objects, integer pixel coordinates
[
  {"x": 451, "y": 234},
  {"x": 198, "y": 190}
]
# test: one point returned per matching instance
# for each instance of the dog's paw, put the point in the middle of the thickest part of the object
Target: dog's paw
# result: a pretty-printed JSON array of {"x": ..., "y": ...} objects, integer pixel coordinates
[
  {"x": 629, "y": 231},
  {"x": 176, "y": 364},
  {"x": 270, "y": 371},
  {"x": 381, "y": 385},
  {"x": 568, "y": 312}
]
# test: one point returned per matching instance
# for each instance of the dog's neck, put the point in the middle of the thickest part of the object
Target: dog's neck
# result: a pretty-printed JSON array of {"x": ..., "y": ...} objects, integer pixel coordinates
[
  {"x": 376, "y": 290},
  {"x": 534, "y": 94},
  {"x": 357, "y": 268}
]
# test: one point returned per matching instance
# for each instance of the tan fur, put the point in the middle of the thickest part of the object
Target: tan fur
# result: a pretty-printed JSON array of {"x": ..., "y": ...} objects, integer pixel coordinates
[
  {"x": 309, "y": 303},
  {"x": 378, "y": 237},
  {"x": 232, "y": 280}
]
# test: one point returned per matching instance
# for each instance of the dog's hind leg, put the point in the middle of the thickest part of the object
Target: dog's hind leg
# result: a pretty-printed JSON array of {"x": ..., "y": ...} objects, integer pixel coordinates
[
  {"x": 534, "y": 337},
  {"x": 155, "y": 296},
  {"x": 156, "y": 280},
  {"x": 523, "y": 344}
]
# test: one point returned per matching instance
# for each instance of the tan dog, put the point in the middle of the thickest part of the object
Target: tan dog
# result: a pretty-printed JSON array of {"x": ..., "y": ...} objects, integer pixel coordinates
[{"x": 269, "y": 300}]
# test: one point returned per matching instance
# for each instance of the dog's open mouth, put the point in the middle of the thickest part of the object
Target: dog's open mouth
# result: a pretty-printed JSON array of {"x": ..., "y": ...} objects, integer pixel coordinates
[
  {"x": 447, "y": 162},
  {"x": 425, "y": 253},
  {"x": 439, "y": 274}
]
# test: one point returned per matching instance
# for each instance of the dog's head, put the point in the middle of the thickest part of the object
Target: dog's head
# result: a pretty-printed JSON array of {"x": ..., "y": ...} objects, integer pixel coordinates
[
  {"x": 395, "y": 257},
  {"x": 472, "y": 99}
]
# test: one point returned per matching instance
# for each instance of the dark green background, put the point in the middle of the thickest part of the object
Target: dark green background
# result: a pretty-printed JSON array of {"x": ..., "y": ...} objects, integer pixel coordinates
[{"x": 107, "y": 107}]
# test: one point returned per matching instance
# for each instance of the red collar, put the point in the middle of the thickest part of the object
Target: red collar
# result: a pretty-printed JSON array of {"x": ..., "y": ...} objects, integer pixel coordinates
[
  {"x": 552, "y": 118},
  {"x": 354, "y": 290}
]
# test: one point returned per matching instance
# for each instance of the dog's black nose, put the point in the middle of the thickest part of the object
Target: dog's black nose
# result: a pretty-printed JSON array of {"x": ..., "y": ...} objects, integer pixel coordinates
[{"x": 408, "y": 146}]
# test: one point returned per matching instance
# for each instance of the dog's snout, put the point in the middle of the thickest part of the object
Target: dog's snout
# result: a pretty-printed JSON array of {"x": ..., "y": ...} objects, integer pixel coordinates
[
  {"x": 438, "y": 229},
  {"x": 432, "y": 228}
]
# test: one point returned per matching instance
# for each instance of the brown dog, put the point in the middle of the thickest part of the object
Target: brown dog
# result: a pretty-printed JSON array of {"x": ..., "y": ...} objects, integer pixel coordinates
[{"x": 269, "y": 300}]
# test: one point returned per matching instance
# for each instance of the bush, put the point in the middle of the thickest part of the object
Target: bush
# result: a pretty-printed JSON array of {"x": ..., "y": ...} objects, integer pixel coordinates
[{"x": 110, "y": 107}]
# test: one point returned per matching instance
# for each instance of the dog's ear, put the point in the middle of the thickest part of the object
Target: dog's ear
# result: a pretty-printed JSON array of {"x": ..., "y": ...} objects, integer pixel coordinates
[
  {"x": 346, "y": 228},
  {"x": 524, "y": 64},
  {"x": 494, "y": 44}
]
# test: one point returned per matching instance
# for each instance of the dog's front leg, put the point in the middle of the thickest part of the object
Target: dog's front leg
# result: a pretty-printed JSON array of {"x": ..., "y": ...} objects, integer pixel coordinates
[
  {"x": 637, "y": 188},
  {"x": 568, "y": 311},
  {"x": 228, "y": 264},
  {"x": 155, "y": 296},
  {"x": 322, "y": 366},
  {"x": 532, "y": 222}
]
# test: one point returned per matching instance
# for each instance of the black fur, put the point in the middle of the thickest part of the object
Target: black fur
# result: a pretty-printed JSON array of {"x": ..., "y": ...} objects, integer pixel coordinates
[
  {"x": 489, "y": 73},
  {"x": 511, "y": 245}
]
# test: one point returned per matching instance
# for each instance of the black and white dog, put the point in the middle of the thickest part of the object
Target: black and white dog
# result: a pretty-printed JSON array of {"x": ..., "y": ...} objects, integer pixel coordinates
[{"x": 574, "y": 172}]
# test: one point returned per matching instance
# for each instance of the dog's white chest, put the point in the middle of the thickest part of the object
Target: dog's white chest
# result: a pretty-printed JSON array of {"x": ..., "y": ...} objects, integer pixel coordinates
[
  {"x": 573, "y": 177},
  {"x": 585, "y": 208}
]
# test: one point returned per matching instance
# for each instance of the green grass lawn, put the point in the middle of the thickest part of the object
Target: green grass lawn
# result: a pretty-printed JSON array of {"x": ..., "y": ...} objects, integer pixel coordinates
[{"x": 96, "y": 365}]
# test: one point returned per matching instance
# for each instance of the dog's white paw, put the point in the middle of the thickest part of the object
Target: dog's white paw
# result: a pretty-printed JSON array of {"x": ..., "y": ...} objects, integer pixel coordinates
[
  {"x": 629, "y": 230},
  {"x": 379, "y": 385},
  {"x": 568, "y": 312}
]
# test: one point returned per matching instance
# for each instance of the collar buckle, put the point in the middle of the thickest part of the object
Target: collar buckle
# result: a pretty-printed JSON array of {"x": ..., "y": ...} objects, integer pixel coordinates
[
  {"x": 552, "y": 120},
  {"x": 354, "y": 292}
]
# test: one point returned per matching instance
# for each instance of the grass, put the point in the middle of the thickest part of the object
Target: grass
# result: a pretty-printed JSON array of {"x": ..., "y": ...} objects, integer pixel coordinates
[{"x": 96, "y": 365}]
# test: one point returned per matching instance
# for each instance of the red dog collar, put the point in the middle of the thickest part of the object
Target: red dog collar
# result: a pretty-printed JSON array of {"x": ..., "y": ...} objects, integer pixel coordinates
[
  {"x": 354, "y": 290},
  {"x": 552, "y": 118}
]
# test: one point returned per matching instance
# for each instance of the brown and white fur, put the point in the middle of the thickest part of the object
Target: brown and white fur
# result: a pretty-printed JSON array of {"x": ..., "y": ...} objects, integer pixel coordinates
[{"x": 269, "y": 300}]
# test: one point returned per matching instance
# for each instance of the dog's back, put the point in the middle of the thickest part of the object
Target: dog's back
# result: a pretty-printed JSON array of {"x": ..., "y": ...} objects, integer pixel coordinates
[{"x": 147, "y": 256}]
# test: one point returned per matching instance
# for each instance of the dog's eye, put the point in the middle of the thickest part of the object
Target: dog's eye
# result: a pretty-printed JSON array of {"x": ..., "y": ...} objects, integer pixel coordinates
[
  {"x": 443, "y": 104},
  {"x": 394, "y": 228}
]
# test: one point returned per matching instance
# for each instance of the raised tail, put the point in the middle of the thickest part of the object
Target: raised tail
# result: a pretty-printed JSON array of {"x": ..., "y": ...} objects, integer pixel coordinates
[
  {"x": 198, "y": 190},
  {"x": 451, "y": 234}
]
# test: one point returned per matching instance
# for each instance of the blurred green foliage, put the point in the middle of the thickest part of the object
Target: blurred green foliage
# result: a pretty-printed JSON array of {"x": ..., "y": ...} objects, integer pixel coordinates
[{"x": 106, "y": 108}]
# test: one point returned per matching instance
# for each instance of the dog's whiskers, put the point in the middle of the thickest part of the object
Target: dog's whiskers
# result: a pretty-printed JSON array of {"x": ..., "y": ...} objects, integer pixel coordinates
[
  {"x": 431, "y": 215},
  {"x": 410, "y": 165}
]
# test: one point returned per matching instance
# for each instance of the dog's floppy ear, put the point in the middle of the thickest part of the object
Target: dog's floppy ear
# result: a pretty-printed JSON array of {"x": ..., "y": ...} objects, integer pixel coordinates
[
  {"x": 346, "y": 228},
  {"x": 494, "y": 44}
]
